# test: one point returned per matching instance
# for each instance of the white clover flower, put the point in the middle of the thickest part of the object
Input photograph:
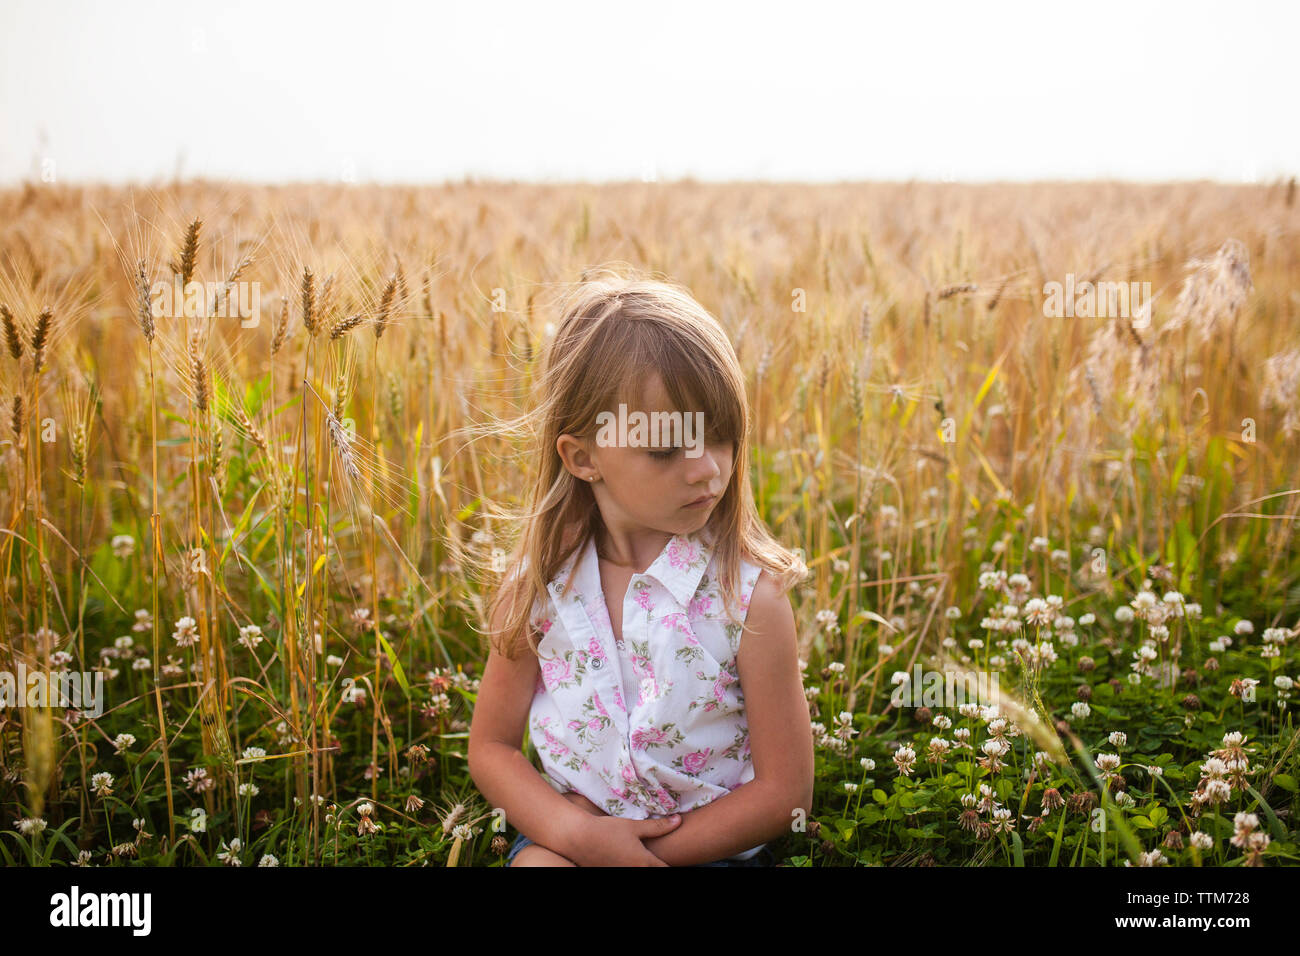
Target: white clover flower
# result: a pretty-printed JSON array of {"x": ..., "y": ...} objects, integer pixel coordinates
[
  {"x": 102, "y": 784},
  {"x": 844, "y": 726},
  {"x": 123, "y": 545},
  {"x": 123, "y": 742},
  {"x": 186, "y": 633},
  {"x": 253, "y": 753},
  {"x": 952, "y": 613},
  {"x": 1118, "y": 738},
  {"x": 868, "y": 764},
  {"x": 1124, "y": 614},
  {"x": 248, "y": 790},
  {"x": 905, "y": 757},
  {"x": 30, "y": 825},
  {"x": 1107, "y": 762},
  {"x": 1243, "y": 627},
  {"x": 1217, "y": 791},
  {"x": 1087, "y": 619},
  {"x": 1080, "y": 709},
  {"x": 229, "y": 855},
  {"x": 850, "y": 787},
  {"x": 268, "y": 860},
  {"x": 1202, "y": 841},
  {"x": 1143, "y": 601}
]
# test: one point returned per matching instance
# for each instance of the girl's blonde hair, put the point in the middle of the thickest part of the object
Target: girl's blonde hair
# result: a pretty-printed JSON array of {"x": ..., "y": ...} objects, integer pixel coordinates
[{"x": 613, "y": 331}]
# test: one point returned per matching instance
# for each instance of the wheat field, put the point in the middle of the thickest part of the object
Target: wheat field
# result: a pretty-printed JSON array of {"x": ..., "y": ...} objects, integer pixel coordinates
[{"x": 290, "y": 673}]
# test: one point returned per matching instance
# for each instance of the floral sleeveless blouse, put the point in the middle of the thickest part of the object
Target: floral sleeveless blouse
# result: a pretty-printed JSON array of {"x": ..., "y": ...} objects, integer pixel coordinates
[{"x": 653, "y": 723}]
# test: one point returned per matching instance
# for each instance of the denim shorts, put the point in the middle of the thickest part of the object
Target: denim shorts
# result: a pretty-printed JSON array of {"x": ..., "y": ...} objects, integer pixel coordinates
[{"x": 764, "y": 857}]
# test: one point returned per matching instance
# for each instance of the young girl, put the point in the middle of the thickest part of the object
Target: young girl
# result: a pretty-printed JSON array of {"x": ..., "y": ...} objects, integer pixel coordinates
[{"x": 643, "y": 635}]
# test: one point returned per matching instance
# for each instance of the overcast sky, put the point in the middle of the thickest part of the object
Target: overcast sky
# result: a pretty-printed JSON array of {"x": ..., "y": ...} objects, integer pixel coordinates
[{"x": 133, "y": 90}]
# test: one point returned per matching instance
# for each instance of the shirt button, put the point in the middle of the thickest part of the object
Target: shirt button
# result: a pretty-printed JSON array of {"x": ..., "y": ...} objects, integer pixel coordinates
[{"x": 596, "y": 663}]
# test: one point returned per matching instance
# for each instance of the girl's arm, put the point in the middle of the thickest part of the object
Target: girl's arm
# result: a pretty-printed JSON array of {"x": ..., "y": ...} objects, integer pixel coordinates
[
  {"x": 780, "y": 742},
  {"x": 497, "y": 765}
]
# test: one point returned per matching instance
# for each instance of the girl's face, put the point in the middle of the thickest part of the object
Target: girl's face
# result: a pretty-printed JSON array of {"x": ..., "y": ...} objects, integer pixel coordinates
[{"x": 652, "y": 487}]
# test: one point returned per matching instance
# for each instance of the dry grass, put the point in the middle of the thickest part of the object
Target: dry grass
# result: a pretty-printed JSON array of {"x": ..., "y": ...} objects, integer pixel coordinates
[{"x": 294, "y": 478}]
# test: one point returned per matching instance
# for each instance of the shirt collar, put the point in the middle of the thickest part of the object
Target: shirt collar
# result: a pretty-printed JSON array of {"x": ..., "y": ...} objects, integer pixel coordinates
[{"x": 680, "y": 566}]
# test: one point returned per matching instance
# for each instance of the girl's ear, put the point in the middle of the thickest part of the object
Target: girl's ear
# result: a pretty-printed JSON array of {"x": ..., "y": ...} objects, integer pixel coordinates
[{"x": 573, "y": 453}]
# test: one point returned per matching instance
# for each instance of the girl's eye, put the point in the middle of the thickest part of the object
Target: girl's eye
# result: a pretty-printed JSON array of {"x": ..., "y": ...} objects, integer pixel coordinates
[{"x": 663, "y": 455}]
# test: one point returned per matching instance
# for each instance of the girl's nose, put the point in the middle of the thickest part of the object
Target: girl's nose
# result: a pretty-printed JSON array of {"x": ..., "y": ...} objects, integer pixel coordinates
[{"x": 703, "y": 468}]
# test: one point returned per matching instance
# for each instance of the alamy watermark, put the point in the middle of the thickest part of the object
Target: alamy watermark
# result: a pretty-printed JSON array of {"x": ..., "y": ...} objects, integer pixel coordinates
[
  {"x": 198, "y": 300},
  {"x": 1099, "y": 300},
  {"x": 653, "y": 430},
  {"x": 78, "y": 909},
  {"x": 945, "y": 688},
  {"x": 81, "y": 690}
]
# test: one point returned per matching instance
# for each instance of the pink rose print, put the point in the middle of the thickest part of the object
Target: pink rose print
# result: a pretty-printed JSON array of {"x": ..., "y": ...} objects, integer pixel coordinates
[
  {"x": 595, "y": 700},
  {"x": 679, "y": 624},
  {"x": 644, "y": 737},
  {"x": 682, "y": 554},
  {"x": 594, "y": 649},
  {"x": 645, "y": 673},
  {"x": 643, "y": 599},
  {"x": 700, "y": 606},
  {"x": 556, "y": 748},
  {"x": 665, "y": 800},
  {"x": 629, "y": 775},
  {"x": 556, "y": 671},
  {"x": 574, "y": 725},
  {"x": 618, "y": 699},
  {"x": 546, "y": 624},
  {"x": 694, "y": 762}
]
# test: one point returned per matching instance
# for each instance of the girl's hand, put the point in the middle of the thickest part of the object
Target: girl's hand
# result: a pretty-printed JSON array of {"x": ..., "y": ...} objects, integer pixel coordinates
[{"x": 614, "y": 841}]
